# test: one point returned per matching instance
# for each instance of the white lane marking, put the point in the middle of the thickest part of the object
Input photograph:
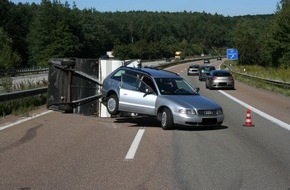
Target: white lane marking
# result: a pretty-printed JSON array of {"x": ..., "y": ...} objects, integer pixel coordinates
[
  {"x": 266, "y": 116},
  {"x": 23, "y": 120},
  {"x": 134, "y": 146}
]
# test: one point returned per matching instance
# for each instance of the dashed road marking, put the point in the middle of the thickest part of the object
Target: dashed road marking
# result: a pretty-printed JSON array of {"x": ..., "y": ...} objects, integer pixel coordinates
[{"x": 135, "y": 144}]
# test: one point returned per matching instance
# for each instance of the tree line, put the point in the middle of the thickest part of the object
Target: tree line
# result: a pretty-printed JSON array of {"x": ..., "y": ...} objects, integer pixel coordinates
[{"x": 31, "y": 34}]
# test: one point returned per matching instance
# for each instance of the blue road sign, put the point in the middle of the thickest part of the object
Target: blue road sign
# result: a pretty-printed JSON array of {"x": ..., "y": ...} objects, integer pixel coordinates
[{"x": 232, "y": 54}]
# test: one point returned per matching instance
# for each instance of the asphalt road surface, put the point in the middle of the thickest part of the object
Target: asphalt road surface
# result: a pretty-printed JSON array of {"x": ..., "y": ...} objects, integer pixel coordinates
[{"x": 65, "y": 151}]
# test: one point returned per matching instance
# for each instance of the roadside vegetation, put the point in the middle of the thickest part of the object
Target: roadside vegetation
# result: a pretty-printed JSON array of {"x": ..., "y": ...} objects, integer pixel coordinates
[
  {"x": 31, "y": 34},
  {"x": 21, "y": 106},
  {"x": 276, "y": 74}
]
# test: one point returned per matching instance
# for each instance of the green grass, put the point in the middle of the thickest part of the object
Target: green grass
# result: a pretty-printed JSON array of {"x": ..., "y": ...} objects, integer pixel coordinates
[
  {"x": 277, "y": 74},
  {"x": 24, "y": 105}
]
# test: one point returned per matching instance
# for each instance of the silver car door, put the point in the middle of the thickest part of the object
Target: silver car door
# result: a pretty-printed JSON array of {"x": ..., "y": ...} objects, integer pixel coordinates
[{"x": 136, "y": 96}]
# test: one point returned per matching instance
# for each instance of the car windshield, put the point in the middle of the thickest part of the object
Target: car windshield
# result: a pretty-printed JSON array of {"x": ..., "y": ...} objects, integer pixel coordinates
[{"x": 174, "y": 86}]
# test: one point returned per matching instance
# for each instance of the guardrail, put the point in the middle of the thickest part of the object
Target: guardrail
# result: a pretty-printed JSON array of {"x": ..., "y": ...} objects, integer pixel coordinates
[
  {"x": 22, "y": 94},
  {"x": 273, "y": 82},
  {"x": 32, "y": 70},
  {"x": 14, "y": 72}
]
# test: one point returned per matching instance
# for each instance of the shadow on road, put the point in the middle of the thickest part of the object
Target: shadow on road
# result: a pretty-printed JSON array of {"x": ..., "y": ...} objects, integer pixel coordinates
[
  {"x": 139, "y": 121},
  {"x": 145, "y": 121}
]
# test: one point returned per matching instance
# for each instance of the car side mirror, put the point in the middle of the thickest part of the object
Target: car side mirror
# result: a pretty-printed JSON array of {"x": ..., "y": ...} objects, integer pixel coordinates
[
  {"x": 147, "y": 91},
  {"x": 197, "y": 90}
]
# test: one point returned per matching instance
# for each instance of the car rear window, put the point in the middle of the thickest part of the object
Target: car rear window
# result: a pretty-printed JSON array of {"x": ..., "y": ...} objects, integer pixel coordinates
[
  {"x": 222, "y": 74},
  {"x": 208, "y": 68}
]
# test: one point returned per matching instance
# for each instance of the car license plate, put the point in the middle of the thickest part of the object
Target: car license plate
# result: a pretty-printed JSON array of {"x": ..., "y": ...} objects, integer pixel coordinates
[{"x": 208, "y": 112}]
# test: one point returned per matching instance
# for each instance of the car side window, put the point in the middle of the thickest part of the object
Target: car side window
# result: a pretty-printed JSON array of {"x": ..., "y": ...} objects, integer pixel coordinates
[
  {"x": 149, "y": 83},
  {"x": 118, "y": 74},
  {"x": 129, "y": 82}
]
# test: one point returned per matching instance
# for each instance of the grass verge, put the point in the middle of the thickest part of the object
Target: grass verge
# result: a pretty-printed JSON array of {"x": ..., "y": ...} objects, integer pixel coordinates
[
  {"x": 24, "y": 105},
  {"x": 277, "y": 74}
]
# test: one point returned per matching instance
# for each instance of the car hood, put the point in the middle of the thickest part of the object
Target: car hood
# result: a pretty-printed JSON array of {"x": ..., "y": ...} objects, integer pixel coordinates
[{"x": 190, "y": 101}]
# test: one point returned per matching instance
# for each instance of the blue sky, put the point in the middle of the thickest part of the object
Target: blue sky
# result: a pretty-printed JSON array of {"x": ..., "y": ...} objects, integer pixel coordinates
[{"x": 224, "y": 7}]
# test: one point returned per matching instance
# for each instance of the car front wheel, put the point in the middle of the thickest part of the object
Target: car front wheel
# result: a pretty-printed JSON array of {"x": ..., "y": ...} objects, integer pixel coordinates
[
  {"x": 166, "y": 119},
  {"x": 113, "y": 104}
]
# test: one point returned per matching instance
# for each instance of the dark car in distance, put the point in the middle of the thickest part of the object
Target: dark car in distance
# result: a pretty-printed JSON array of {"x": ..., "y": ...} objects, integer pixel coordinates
[
  {"x": 206, "y": 61},
  {"x": 204, "y": 71}
]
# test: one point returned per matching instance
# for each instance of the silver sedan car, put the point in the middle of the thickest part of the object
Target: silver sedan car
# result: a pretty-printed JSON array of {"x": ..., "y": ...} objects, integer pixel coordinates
[
  {"x": 193, "y": 70},
  {"x": 220, "y": 79},
  {"x": 159, "y": 93}
]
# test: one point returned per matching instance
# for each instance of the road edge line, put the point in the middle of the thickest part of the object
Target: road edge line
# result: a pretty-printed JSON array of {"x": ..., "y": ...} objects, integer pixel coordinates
[
  {"x": 259, "y": 112},
  {"x": 24, "y": 120}
]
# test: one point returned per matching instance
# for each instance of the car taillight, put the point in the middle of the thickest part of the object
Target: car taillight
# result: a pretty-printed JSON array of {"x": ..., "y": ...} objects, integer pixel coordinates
[{"x": 230, "y": 78}]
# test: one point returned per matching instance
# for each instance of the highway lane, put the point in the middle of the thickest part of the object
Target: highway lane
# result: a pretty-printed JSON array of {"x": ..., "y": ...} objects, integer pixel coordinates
[
  {"x": 63, "y": 151},
  {"x": 242, "y": 157}
]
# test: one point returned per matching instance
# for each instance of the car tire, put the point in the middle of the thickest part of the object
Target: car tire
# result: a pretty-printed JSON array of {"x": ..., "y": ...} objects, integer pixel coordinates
[
  {"x": 113, "y": 104},
  {"x": 166, "y": 119}
]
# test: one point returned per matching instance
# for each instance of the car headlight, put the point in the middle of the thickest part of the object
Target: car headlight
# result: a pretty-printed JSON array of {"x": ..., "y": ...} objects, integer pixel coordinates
[
  {"x": 219, "y": 112},
  {"x": 187, "y": 111}
]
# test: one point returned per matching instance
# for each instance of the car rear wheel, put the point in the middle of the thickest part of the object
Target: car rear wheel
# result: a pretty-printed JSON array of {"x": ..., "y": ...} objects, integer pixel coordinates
[
  {"x": 210, "y": 86},
  {"x": 113, "y": 104},
  {"x": 166, "y": 119}
]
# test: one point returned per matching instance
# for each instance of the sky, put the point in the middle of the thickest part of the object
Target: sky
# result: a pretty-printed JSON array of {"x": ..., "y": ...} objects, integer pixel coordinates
[{"x": 223, "y": 7}]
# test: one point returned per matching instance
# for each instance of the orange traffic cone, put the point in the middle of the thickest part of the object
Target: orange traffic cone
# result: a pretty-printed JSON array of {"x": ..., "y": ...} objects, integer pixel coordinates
[{"x": 248, "y": 122}]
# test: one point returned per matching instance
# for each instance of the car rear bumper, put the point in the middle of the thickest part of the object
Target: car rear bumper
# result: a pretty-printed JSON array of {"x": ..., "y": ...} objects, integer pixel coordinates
[
  {"x": 223, "y": 85},
  {"x": 192, "y": 73}
]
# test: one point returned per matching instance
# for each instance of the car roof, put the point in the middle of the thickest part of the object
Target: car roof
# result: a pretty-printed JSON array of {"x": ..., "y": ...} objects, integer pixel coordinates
[
  {"x": 207, "y": 66},
  {"x": 221, "y": 71},
  {"x": 153, "y": 72},
  {"x": 196, "y": 65}
]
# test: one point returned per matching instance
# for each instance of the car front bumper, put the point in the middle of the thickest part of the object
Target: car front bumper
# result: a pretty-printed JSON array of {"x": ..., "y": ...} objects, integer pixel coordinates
[{"x": 196, "y": 120}]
